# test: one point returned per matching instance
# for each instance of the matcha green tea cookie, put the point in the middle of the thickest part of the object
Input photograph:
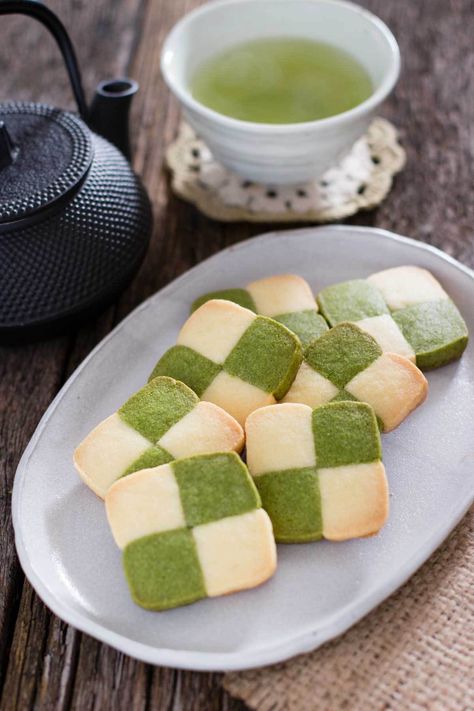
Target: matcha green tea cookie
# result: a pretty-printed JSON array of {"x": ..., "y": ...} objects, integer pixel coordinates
[
  {"x": 405, "y": 309},
  {"x": 287, "y": 298},
  {"x": 162, "y": 421},
  {"x": 233, "y": 358},
  {"x": 191, "y": 529},
  {"x": 346, "y": 363},
  {"x": 319, "y": 472}
]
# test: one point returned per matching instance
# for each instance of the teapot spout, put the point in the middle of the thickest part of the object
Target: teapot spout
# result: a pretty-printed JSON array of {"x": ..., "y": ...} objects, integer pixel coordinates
[{"x": 109, "y": 111}]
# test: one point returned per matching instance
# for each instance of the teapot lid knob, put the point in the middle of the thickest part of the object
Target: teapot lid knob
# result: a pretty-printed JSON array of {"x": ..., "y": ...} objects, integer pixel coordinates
[
  {"x": 45, "y": 153},
  {"x": 8, "y": 150}
]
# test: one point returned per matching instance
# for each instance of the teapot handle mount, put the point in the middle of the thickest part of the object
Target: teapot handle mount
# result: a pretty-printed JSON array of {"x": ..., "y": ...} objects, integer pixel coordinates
[{"x": 43, "y": 14}]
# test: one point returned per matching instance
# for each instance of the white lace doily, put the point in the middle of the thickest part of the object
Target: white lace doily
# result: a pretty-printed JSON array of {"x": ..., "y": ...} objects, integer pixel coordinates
[{"x": 360, "y": 182}]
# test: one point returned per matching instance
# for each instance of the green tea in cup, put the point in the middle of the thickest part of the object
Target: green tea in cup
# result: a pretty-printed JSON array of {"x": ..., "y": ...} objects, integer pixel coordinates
[{"x": 281, "y": 80}]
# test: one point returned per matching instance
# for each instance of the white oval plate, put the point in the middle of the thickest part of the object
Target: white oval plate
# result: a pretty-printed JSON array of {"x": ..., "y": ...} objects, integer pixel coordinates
[{"x": 320, "y": 589}]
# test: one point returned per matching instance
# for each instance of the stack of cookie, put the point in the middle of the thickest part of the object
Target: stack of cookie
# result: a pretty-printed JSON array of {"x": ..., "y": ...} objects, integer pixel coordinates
[{"x": 308, "y": 385}]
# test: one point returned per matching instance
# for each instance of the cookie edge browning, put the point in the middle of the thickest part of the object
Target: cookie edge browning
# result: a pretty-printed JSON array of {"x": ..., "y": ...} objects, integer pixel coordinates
[
  {"x": 162, "y": 479},
  {"x": 377, "y": 278},
  {"x": 379, "y": 514},
  {"x": 387, "y": 329},
  {"x": 416, "y": 377},
  {"x": 264, "y": 562},
  {"x": 79, "y": 453},
  {"x": 232, "y": 426},
  {"x": 278, "y": 282},
  {"x": 268, "y": 566}
]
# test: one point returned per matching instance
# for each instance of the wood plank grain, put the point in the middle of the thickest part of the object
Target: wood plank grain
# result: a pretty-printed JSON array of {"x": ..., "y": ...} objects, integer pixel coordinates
[
  {"x": 38, "y": 656},
  {"x": 104, "y": 35},
  {"x": 29, "y": 377},
  {"x": 51, "y": 666},
  {"x": 434, "y": 108}
]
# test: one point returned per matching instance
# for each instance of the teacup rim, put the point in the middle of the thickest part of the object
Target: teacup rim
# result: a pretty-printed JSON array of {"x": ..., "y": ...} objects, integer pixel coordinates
[{"x": 365, "y": 107}]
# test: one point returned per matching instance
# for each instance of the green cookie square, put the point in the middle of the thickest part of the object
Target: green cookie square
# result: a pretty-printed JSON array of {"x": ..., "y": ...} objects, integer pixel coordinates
[
  {"x": 307, "y": 325},
  {"x": 187, "y": 365},
  {"x": 435, "y": 330},
  {"x": 293, "y": 502},
  {"x": 157, "y": 407},
  {"x": 345, "y": 433},
  {"x": 238, "y": 296},
  {"x": 267, "y": 355},
  {"x": 153, "y": 457},
  {"x": 163, "y": 570},
  {"x": 341, "y": 353},
  {"x": 351, "y": 301},
  {"x": 214, "y": 486},
  {"x": 343, "y": 396}
]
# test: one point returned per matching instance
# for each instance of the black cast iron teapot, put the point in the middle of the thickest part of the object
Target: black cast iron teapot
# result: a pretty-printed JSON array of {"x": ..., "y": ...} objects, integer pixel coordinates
[{"x": 75, "y": 220}]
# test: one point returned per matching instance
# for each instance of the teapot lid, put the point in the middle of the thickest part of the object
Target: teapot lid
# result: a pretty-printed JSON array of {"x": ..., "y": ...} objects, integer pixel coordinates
[{"x": 45, "y": 154}]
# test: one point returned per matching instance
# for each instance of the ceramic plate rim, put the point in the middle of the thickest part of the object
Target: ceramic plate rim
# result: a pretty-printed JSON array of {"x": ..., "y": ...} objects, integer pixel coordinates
[{"x": 228, "y": 661}]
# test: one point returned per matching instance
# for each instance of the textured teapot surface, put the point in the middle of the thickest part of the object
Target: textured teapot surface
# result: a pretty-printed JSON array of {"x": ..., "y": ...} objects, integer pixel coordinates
[
  {"x": 52, "y": 154},
  {"x": 74, "y": 222},
  {"x": 74, "y": 219}
]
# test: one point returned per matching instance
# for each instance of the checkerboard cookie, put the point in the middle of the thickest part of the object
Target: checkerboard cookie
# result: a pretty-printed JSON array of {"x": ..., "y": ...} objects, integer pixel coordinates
[
  {"x": 286, "y": 298},
  {"x": 163, "y": 421},
  {"x": 346, "y": 363},
  {"x": 405, "y": 309},
  {"x": 230, "y": 356},
  {"x": 191, "y": 529},
  {"x": 319, "y": 472}
]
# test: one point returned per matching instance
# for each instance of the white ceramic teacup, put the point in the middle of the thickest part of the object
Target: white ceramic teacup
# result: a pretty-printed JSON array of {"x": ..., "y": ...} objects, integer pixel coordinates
[{"x": 279, "y": 153}]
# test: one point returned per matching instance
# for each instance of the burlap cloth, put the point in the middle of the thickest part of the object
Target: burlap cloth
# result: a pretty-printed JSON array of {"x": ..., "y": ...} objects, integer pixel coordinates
[{"x": 415, "y": 651}]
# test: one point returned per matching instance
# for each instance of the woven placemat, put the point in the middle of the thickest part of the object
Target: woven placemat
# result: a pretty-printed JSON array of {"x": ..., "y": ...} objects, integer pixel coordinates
[
  {"x": 414, "y": 652},
  {"x": 360, "y": 182}
]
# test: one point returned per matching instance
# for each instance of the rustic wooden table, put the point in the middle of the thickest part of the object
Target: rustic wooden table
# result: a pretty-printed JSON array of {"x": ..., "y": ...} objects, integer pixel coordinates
[{"x": 45, "y": 664}]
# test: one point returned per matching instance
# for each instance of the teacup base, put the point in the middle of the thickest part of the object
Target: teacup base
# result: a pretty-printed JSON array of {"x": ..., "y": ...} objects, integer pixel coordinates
[{"x": 361, "y": 181}]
